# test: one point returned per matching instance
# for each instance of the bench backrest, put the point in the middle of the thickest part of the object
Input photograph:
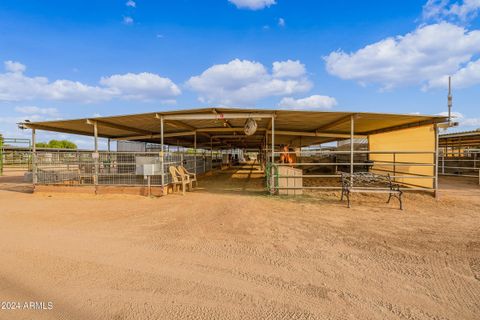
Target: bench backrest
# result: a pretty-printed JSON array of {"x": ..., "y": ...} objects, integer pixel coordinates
[{"x": 366, "y": 178}]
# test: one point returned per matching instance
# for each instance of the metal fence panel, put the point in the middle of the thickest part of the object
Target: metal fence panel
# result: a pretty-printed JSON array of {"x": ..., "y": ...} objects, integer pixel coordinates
[
  {"x": 114, "y": 168},
  {"x": 327, "y": 166}
]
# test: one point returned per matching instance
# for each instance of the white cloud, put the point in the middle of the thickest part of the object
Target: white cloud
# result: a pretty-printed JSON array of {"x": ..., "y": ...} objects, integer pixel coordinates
[
  {"x": 14, "y": 67},
  {"x": 471, "y": 122},
  {"x": 168, "y": 102},
  {"x": 444, "y": 9},
  {"x": 252, "y": 4},
  {"x": 456, "y": 115},
  {"x": 53, "y": 112},
  {"x": 463, "y": 121},
  {"x": 312, "y": 102},
  {"x": 19, "y": 87},
  {"x": 14, "y": 120},
  {"x": 428, "y": 53},
  {"x": 128, "y": 20},
  {"x": 141, "y": 86},
  {"x": 289, "y": 68},
  {"x": 131, "y": 3},
  {"x": 11, "y": 120},
  {"x": 244, "y": 81},
  {"x": 467, "y": 10},
  {"x": 433, "y": 9},
  {"x": 281, "y": 22},
  {"x": 465, "y": 77},
  {"x": 16, "y": 86}
]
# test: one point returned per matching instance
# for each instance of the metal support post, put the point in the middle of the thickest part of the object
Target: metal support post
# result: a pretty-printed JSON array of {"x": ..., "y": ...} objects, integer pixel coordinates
[
  {"x": 195, "y": 151},
  {"x": 95, "y": 154},
  {"x": 352, "y": 131},
  {"x": 1, "y": 155},
  {"x": 95, "y": 136},
  {"x": 162, "y": 154},
  {"x": 272, "y": 183},
  {"x": 109, "y": 157},
  {"x": 443, "y": 162},
  {"x": 34, "y": 158},
  {"x": 211, "y": 154},
  {"x": 436, "y": 162}
]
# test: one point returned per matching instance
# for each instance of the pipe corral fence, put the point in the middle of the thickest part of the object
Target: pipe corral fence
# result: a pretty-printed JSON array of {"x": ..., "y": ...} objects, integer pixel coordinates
[
  {"x": 460, "y": 154},
  {"x": 460, "y": 163},
  {"x": 321, "y": 170},
  {"x": 15, "y": 154}
]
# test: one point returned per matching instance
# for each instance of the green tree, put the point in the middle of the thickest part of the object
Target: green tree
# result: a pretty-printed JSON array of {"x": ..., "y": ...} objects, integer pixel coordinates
[
  {"x": 41, "y": 145},
  {"x": 57, "y": 144}
]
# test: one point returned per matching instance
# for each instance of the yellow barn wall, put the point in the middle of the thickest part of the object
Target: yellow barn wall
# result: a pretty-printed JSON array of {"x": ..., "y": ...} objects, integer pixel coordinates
[{"x": 411, "y": 139}]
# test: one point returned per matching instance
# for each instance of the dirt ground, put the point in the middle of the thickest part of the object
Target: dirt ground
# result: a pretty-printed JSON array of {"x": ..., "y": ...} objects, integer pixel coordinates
[{"x": 228, "y": 251}]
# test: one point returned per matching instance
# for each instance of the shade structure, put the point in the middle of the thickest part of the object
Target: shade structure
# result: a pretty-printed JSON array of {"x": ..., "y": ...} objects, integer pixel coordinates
[
  {"x": 466, "y": 139},
  {"x": 224, "y": 127}
]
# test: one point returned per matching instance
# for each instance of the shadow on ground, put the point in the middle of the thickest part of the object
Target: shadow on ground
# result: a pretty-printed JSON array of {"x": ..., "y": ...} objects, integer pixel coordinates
[{"x": 13, "y": 181}]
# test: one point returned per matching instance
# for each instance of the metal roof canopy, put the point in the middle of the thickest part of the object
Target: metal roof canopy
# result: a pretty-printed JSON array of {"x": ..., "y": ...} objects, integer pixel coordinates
[
  {"x": 224, "y": 127},
  {"x": 460, "y": 139}
]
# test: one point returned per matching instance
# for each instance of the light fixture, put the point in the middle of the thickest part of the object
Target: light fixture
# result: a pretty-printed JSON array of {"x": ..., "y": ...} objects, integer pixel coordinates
[
  {"x": 449, "y": 124},
  {"x": 250, "y": 127}
]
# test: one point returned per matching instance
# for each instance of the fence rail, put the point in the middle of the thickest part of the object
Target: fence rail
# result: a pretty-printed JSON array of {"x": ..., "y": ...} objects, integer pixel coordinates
[
  {"x": 412, "y": 170},
  {"x": 464, "y": 163}
]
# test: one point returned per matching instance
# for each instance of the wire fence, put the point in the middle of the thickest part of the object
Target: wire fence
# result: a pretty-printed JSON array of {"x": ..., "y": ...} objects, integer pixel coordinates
[
  {"x": 115, "y": 168},
  {"x": 14, "y": 154}
]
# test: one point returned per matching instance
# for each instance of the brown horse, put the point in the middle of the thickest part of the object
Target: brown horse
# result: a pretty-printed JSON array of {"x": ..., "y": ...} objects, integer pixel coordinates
[{"x": 287, "y": 156}]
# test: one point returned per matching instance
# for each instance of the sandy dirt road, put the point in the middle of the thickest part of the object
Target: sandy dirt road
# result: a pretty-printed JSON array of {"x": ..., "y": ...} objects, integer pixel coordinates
[{"x": 219, "y": 254}]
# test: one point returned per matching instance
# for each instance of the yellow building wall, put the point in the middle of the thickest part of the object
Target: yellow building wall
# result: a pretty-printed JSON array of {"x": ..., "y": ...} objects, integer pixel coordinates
[{"x": 411, "y": 139}]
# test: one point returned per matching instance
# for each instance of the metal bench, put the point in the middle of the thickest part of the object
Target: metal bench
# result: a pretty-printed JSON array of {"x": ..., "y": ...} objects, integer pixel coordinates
[{"x": 368, "y": 182}]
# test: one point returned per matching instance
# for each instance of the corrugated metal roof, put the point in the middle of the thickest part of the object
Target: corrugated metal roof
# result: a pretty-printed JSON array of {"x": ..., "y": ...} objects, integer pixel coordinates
[
  {"x": 460, "y": 134},
  {"x": 329, "y": 126},
  {"x": 460, "y": 139}
]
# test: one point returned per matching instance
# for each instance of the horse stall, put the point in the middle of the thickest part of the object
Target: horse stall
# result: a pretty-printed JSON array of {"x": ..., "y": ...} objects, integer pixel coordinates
[
  {"x": 287, "y": 141},
  {"x": 460, "y": 155},
  {"x": 404, "y": 158}
]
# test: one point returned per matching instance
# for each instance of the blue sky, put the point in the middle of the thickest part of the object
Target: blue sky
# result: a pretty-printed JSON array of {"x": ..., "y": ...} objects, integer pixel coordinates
[{"x": 70, "y": 59}]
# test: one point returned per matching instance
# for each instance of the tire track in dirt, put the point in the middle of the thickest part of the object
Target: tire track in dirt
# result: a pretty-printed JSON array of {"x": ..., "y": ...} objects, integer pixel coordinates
[
  {"x": 218, "y": 256},
  {"x": 473, "y": 251}
]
